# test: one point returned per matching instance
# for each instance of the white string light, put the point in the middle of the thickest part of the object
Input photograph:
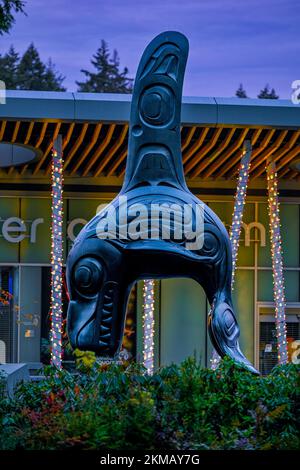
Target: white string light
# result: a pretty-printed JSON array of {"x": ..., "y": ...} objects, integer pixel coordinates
[
  {"x": 237, "y": 220},
  {"x": 148, "y": 325},
  {"x": 239, "y": 203},
  {"x": 277, "y": 264},
  {"x": 56, "y": 253}
]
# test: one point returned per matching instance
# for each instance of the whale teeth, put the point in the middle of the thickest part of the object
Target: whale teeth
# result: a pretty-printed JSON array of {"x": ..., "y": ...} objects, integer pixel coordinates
[
  {"x": 105, "y": 337},
  {"x": 103, "y": 345},
  {"x": 106, "y": 313},
  {"x": 104, "y": 329},
  {"x": 108, "y": 305},
  {"x": 107, "y": 321}
]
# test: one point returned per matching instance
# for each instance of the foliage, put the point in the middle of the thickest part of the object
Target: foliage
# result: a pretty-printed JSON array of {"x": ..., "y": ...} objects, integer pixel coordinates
[
  {"x": 8, "y": 68},
  {"x": 85, "y": 360},
  {"x": 33, "y": 74},
  {"x": 179, "y": 407},
  {"x": 29, "y": 72},
  {"x": 3, "y": 379},
  {"x": 45, "y": 351},
  {"x": 241, "y": 92},
  {"x": 267, "y": 94},
  {"x": 107, "y": 77},
  {"x": 7, "y": 10}
]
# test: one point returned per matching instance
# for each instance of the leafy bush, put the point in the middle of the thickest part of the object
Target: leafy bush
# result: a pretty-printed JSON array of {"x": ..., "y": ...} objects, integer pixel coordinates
[{"x": 179, "y": 407}]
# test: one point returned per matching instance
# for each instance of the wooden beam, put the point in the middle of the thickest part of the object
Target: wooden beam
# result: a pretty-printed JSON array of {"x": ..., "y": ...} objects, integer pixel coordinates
[
  {"x": 66, "y": 140},
  {"x": 235, "y": 161},
  {"x": 88, "y": 148},
  {"x": 293, "y": 175},
  {"x": 29, "y": 132},
  {"x": 233, "y": 148},
  {"x": 15, "y": 133},
  {"x": 112, "y": 151},
  {"x": 261, "y": 161},
  {"x": 287, "y": 159},
  {"x": 38, "y": 143},
  {"x": 76, "y": 145},
  {"x": 205, "y": 163},
  {"x": 203, "y": 151},
  {"x": 2, "y": 130},
  {"x": 13, "y": 139},
  {"x": 188, "y": 138},
  {"x": 283, "y": 151},
  {"x": 287, "y": 148},
  {"x": 195, "y": 146},
  {"x": 117, "y": 163},
  {"x": 100, "y": 149},
  {"x": 50, "y": 145}
]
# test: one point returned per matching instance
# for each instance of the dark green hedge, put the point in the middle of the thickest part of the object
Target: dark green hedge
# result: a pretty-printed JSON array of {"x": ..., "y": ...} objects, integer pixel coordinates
[{"x": 180, "y": 407}]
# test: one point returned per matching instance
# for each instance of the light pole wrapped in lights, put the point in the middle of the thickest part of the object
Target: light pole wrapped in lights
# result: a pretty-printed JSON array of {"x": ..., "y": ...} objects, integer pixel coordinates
[
  {"x": 277, "y": 264},
  {"x": 56, "y": 252},
  {"x": 148, "y": 325},
  {"x": 237, "y": 219},
  {"x": 239, "y": 202}
]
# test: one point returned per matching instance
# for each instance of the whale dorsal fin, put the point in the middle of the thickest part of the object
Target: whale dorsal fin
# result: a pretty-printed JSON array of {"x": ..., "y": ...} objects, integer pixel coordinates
[{"x": 154, "y": 147}]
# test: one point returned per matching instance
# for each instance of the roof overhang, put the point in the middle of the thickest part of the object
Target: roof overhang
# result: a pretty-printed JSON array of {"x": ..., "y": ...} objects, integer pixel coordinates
[
  {"x": 94, "y": 128},
  {"x": 106, "y": 107}
]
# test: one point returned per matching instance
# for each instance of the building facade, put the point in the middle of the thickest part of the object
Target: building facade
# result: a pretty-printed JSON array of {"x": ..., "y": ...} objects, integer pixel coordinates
[{"x": 94, "y": 130}]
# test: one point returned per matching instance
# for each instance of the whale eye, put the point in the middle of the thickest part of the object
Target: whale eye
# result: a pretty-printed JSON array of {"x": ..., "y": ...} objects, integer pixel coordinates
[{"x": 87, "y": 276}]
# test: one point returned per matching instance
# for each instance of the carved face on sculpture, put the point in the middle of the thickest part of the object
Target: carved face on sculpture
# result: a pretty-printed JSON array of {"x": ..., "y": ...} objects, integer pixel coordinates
[{"x": 108, "y": 257}]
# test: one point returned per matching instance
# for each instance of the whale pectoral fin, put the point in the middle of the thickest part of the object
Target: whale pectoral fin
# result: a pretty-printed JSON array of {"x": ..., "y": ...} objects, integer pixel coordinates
[{"x": 224, "y": 333}]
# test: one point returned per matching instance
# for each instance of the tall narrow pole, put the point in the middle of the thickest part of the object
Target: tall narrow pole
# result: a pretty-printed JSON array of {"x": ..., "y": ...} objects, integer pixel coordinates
[
  {"x": 277, "y": 263},
  {"x": 148, "y": 325},
  {"x": 237, "y": 219},
  {"x": 239, "y": 203},
  {"x": 56, "y": 253}
]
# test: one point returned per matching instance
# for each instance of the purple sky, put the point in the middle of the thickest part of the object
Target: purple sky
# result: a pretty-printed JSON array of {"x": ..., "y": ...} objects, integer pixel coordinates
[{"x": 231, "y": 41}]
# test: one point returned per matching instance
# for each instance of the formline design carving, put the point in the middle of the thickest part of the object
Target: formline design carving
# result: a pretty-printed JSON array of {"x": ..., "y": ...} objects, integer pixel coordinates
[{"x": 102, "y": 271}]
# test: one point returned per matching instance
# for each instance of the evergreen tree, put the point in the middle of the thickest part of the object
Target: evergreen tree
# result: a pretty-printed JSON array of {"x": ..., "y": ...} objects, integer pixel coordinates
[
  {"x": 7, "y": 8},
  {"x": 9, "y": 68},
  {"x": 240, "y": 92},
  {"x": 52, "y": 78},
  {"x": 267, "y": 94},
  {"x": 33, "y": 74},
  {"x": 107, "y": 77}
]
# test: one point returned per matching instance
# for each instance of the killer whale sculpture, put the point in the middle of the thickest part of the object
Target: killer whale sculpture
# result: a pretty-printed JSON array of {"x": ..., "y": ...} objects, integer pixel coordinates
[{"x": 101, "y": 271}]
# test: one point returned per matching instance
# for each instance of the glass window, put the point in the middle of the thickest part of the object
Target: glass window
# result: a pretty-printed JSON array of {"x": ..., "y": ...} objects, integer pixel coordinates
[
  {"x": 290, "y": 233},
  {"x": 268, "y": 340},
  {"x": 243, "y": 301},
  {"x": 8, "y": 313},
  {"x": 264, "y": 252}
]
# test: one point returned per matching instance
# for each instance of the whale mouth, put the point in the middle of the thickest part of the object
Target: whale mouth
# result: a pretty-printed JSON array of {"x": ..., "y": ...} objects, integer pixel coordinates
[
  {"x": 106, "y": 322},
  {"x": 90, "y": 323}
]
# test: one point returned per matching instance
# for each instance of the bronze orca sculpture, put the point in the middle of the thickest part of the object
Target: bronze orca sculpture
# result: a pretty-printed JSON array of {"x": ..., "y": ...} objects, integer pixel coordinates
[{"x": 101, "y": 271}]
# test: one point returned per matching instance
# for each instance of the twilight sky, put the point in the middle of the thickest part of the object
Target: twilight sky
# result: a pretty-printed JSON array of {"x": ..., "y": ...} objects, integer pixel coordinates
[{"x": 231, "y": 41}]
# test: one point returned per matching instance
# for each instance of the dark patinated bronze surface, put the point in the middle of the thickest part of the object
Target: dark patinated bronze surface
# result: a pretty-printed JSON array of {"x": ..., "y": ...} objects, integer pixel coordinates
[{"x": 101, "y": 271}]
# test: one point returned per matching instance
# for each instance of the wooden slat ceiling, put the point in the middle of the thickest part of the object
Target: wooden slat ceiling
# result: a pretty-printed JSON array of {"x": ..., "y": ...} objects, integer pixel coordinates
[{"x": 93, "y": 150}]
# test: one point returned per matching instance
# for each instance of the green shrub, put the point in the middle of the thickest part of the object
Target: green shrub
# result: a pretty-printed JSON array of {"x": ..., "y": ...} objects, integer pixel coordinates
[{"x": 179, "y": 407}]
